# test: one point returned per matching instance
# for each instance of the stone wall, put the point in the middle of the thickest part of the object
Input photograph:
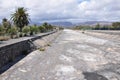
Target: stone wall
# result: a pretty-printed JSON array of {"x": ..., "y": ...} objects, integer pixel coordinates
[{"x": 11, "y": 51}]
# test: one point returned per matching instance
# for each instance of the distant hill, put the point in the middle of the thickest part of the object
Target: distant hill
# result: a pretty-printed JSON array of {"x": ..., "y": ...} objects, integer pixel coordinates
[
  {"x": 70, "y": 24},
  {"x": 94, "y": 23},
  {"x": 64, "y": 24},
  {"x": 90, "y": 23}
]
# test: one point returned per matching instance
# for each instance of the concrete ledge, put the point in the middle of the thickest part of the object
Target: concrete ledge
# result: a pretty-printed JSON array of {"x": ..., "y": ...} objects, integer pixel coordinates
[
  {"x": 105, "y": 34},
  {"x": 112, "y": 32},
  {"x": 10, "y": 49}
]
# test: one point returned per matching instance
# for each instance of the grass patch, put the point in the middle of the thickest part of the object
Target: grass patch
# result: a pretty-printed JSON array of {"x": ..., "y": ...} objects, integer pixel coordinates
[
  {"x": 41, "y": 49},
  {"x": 48, "y": 44}
]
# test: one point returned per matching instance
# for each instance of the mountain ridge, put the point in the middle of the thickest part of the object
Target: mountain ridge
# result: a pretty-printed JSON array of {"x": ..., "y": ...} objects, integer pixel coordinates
[{"x": 70, "y": 24}]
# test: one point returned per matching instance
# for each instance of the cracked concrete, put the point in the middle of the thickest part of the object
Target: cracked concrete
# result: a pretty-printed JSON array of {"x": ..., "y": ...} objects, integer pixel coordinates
[{"x": 72, "y": 56}]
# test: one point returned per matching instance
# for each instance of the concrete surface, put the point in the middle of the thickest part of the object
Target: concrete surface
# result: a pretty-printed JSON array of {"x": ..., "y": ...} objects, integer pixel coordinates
[
  {"x": 17, "y": 40},
  {"x": 72, "y": 56},
  {"x": 13, "y": 48}
]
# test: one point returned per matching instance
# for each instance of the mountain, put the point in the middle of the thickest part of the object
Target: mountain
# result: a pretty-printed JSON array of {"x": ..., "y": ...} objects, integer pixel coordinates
[
  {"x": 94, "y": 23},
  {"x": 64, "y": 24},
  {"x": 90, "y": 23},
  {"x": 70, "y": 24}
]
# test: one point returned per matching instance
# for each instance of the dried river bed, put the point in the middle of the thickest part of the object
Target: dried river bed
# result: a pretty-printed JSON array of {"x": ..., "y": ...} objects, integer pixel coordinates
[{"x": 72, "y": 56}]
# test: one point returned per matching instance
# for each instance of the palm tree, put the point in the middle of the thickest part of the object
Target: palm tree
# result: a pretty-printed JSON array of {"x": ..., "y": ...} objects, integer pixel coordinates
[{"x": 20, "y": 18}]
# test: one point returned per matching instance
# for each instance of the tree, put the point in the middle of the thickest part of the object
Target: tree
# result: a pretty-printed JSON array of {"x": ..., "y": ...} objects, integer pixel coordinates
[
  {"x": 116, "y": 25},
  {"x": 20, "y": 18},
  {"x": 6, "y": 24}
]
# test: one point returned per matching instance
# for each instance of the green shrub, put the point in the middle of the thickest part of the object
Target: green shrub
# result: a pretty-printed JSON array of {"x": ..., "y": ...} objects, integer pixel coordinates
[
  {"x": 42, "y": 29},
  {"x": 48, "y": 27},
  {"x": 13, "y": 31},
  {"x": 2, "y": 30},
  {"x": 34, "y": 30},
  {"x": 26, "y": 30},
  {"x": 41, "y": 49}
]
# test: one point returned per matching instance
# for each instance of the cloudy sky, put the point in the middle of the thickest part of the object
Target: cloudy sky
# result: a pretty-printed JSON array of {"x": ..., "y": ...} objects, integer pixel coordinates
[{"x": 64, "y": 10}]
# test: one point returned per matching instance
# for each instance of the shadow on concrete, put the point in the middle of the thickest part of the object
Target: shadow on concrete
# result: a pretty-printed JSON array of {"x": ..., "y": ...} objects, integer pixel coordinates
[
  {"x": 93, "y": 76},
  {"x": 11, "y": 63}
]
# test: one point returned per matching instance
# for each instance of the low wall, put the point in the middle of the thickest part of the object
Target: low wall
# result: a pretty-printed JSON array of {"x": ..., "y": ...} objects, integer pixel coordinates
[
  {"x": 105, "y": 34},
  {"x": 111, "y": 32},
  {"x": 9, "y": 52}
]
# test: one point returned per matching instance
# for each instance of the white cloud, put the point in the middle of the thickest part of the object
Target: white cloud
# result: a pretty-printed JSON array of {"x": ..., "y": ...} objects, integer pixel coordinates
[
  {"x": 64, "y": 9},
  {"x": 101, "y": 9}
]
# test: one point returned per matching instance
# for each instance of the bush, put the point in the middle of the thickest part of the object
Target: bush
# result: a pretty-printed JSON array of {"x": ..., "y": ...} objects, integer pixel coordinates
[
  {"x": 42, "y": 29},
  {"x": 3, "y": 37},
  {"x": 2, "y": 30},
  {"x": 61, "y": 28},
  {"x": 12, "y": 31},
  {"x": 26, "y": 30},
  {"x": 41, "y": 49},
  {"x": 33, "y": 30}
]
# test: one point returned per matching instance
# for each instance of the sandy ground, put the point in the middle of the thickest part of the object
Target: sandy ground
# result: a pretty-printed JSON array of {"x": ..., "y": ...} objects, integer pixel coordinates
[{"x": 72, "y": 56}]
